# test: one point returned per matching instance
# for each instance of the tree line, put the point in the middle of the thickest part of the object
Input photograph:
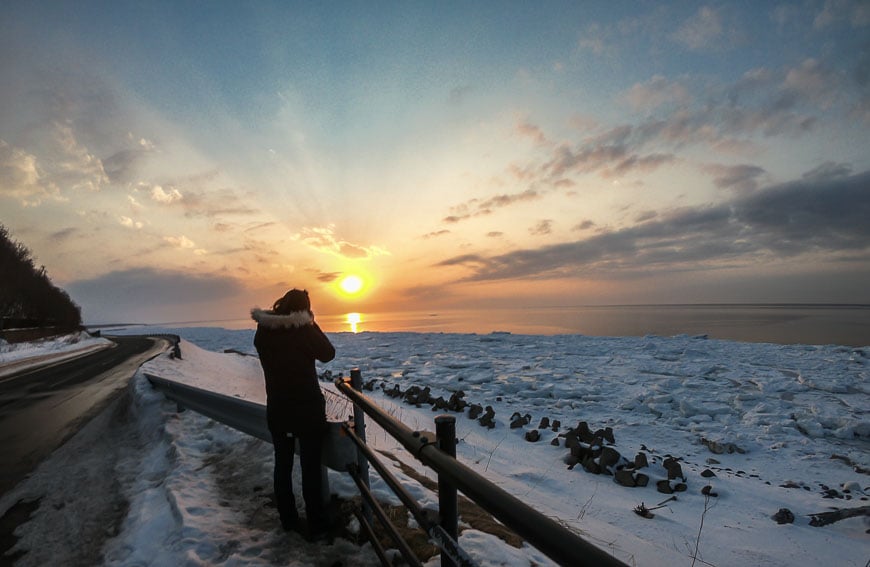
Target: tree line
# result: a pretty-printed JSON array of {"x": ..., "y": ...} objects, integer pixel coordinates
[{"x": 27, "y": 296}]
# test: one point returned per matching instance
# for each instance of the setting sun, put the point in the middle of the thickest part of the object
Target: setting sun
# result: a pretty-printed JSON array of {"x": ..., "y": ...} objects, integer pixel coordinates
[{"x": 351, "y": 284}]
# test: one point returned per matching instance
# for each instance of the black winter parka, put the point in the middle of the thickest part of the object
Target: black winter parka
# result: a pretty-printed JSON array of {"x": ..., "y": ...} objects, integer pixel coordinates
[{"x": 288, "y": 346}]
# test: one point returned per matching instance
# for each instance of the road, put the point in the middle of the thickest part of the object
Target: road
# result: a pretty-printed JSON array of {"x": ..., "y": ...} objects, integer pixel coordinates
[{"x": 42, "y": 408}]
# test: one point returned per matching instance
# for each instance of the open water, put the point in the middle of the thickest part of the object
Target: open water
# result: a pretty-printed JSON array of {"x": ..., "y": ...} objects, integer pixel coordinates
[{"x": 784, "y": 324}]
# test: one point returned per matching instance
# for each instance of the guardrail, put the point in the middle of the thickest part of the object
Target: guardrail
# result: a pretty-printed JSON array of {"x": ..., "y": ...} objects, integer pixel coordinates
[
  {"x": 435, "y": 450},
  {"x": 248, "y": 417}
]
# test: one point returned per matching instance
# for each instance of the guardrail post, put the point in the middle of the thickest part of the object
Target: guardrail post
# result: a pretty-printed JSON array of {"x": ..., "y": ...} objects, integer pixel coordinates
[
  {"x": 448, "y": 505},
  {"x": 359, "y": 427}
]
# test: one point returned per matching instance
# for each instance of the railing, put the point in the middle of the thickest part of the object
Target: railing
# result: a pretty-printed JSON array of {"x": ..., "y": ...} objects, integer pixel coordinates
[
  {"x": 435, "y": 450},
  {"x": 438, "y": 453}
]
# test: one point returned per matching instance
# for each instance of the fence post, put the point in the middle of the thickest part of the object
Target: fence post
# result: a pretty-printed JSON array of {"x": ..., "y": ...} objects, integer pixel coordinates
[
  {"x": 359, "y": 427},
  {"x": 448, "y": 506}
]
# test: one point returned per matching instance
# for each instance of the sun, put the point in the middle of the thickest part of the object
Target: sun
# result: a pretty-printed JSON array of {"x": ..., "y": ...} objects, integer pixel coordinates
[{"x": 351, "y": 284}]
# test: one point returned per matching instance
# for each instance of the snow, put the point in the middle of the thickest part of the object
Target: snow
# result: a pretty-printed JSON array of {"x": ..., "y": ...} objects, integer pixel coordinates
[
  {"x": 780, "y": 426},
  {"x": 15, "y": 357}
]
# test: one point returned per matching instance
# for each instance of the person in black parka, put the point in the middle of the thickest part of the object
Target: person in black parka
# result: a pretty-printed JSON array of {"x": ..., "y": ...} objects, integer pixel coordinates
[{"x": 288, "y": 342}]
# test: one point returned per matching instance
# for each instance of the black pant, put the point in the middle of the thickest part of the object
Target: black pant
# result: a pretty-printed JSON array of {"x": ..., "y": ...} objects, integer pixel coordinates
[{"x": 312, "y": 490}]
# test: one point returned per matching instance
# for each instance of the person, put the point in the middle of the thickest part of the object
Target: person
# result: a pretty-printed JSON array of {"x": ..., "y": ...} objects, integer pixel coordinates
[{"x": 288, "y": 342}]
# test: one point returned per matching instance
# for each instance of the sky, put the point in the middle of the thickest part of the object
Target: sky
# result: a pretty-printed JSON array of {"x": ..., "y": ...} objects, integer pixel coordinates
[{"x": 186, "y": 161}]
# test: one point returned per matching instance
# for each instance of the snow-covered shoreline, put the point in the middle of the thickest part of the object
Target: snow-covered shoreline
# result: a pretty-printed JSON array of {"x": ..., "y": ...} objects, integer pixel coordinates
[{"x": 788, "y": 409}]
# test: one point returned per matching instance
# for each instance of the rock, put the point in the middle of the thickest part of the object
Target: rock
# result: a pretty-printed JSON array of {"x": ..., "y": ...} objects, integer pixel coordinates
[
  {"x": 533, "y": 435},
  {"x": 609, "y": 457},
  {"x": 474, "y": 411},
  {"x": 394, "y": 392},
  {"x": 607, "y": 434},
  {"x": 545, "y": 423},
  {"x": 640, "y": 461},
  {"x": 708, "y": 491},
  {"x": 555, "y": 442},
  {"x": 674, "y": 469},
  {"x": 488, "y": 418},
  {"x": 624, "y": 478},
  {"x": 591, "y": 466},
  {"x": 719, "y": 448},
  {"x": 783, "y": 516},
  {"x": 707, "y": 473},
  {"x": 456, "y": 402},
  {"x": 556, "y": 425},
  {"x": 581, "y": 451},
  {"x": 518, "y": 420},
  {"x": 680, "y": 487},
  {"x": 641, "y": 479},
  {"x": 584, "y": 433},
  {"x": 664, "y": 486}
]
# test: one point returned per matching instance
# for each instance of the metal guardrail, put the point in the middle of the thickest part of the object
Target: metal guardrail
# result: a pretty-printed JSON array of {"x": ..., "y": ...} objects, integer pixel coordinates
[{"x": 248, "y": 417}]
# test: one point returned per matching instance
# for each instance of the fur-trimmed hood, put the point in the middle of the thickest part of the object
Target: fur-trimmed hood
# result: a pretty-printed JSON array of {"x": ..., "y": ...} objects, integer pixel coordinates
[{"x": 272, "y": 320}]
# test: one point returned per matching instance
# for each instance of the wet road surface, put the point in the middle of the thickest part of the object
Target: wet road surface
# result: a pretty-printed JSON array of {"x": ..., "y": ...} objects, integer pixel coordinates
[{"x": 40, "y": 409}]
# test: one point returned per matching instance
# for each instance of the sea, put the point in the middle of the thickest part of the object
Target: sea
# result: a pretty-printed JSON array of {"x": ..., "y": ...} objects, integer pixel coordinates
[{"x": 847, "y": 325}]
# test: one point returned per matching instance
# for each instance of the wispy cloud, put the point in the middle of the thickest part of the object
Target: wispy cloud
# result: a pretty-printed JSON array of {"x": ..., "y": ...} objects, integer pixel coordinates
[
  {"x": 478, "y": 207},
  {"x": 824, "y": 214},
  {"x": 324, "y": 239},
  {"x": 741, "y": 178}
]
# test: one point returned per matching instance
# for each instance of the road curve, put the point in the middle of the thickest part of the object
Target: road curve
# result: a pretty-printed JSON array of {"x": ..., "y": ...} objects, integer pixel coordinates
[{"x": 40, "y": 409}]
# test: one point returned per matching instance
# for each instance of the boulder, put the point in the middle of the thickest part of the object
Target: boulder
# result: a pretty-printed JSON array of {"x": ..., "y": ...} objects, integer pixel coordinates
[
  {"x": 783, "y": 516},
  {"x": 624, "y": 478}
]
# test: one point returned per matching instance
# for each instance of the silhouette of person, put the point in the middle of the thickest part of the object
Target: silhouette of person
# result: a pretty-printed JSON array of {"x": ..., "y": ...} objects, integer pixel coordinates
[{"x": 288, "y": 342}]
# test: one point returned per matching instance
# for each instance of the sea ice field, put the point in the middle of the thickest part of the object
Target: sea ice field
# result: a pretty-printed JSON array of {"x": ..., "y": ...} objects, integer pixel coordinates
[{"x": 757, "y": 427}]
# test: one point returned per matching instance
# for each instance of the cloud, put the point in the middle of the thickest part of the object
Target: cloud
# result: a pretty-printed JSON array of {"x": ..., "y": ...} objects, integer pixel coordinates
[
  {"x": 477, "y": 207},
  {"x": 130, "y": 223},
  {"x": 20, "y": 178},
  {"x": 62, "y": 235},
  {"x": 656, "y": 92},
  {"x": 435, "y": 234},
  {"x": 854, "y": 12},
  {"x": 593, "y": 39},
  {"x": 182, "y": 241},
  {"x": 533, "y": 132},
  {"x": 73, "y": 166},
  {"x": 214, "y": 202},
  {"x": 323, "y": 239},
  {"x": 741, "y": 178},
  {"x": 703, "y": 30},
  {"x": 141, "y": 288},
  {"x": 161, "y": 195},
  {"x": 821, "y": 215},
  {"x": 121, "y": 165},
  {"x": 828, "y": 170},
  {"x": 542, "y": 228}
]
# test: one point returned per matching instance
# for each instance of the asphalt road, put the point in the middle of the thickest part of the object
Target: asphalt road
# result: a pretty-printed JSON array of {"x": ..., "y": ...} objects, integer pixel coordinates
[{"x": 42, "y": 408}]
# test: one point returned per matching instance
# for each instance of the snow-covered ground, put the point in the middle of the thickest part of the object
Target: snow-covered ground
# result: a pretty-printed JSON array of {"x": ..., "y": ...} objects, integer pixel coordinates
[{"x": 777, "y": 426}]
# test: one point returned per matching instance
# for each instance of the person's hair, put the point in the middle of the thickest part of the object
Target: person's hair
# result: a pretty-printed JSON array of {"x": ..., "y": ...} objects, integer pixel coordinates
[{"x": 293, "y": 300}]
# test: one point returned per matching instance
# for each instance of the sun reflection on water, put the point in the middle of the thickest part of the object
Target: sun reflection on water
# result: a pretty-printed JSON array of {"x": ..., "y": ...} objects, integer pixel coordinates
[{"x": 354, "y": 319}]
